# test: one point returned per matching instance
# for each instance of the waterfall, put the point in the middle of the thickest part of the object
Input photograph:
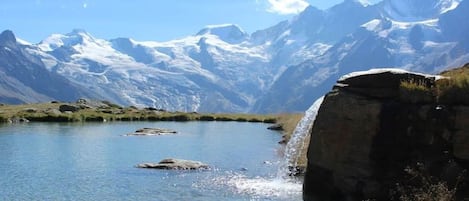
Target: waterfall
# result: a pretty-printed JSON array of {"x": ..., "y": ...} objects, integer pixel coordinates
[
  {"x": 281, "y": 185},
  {"x": 297, "y": 141}
]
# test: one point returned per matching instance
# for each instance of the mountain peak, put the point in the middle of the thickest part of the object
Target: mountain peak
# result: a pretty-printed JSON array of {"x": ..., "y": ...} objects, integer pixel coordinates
[
  {"x": 7, "y": 38},
  {"x": 361, "y": 2},
  {"x": 80, "y": 33},
  {"x": 77, "y": 36},
  {"x": 308, "y": 11},
  {"x": 227, "y": 32},
  {"x": 416, "y": 10}
]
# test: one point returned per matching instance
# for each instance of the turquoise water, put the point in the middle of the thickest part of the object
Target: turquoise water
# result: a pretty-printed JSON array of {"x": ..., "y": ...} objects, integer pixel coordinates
[{"x": 95, "y": 162}]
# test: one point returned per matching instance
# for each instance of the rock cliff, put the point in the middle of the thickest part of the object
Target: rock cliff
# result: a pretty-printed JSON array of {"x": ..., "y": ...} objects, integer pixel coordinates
[{"x": 372, "y": 138}]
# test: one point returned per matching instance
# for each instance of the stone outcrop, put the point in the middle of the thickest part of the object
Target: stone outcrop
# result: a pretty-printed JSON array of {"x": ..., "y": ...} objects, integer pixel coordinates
[
  {"x": 368, "y": 131},
  {"x": 175, "y": 164},
  {"x": 102, "y": 106},
  {"x": 68, "y": 108}
]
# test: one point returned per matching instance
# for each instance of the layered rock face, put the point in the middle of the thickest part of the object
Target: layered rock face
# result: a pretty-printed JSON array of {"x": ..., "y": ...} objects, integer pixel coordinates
[{"x": 369, "y": 130}]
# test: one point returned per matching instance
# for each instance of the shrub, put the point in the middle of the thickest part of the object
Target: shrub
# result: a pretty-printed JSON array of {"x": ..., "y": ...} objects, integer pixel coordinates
[
  {"x": 454, "y": 88},
  {"x": 416, "y": 91},
  {"x": 424, "y": 187}
]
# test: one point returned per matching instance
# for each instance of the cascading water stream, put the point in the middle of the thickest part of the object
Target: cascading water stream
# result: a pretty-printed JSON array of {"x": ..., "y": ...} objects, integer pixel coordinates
[
  {"x": 282, "y": 185},
  {"x": 295, "y": 145}
]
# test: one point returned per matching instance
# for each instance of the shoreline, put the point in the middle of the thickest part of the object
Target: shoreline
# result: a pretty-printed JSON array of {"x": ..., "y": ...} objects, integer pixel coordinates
[{"x": 103, "y": 111}]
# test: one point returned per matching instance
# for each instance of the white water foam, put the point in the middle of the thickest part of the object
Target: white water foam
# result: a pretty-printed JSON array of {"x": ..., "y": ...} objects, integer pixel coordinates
[
  {"x": 297, "y": 141},
  {"x": 261, "y": 188}
]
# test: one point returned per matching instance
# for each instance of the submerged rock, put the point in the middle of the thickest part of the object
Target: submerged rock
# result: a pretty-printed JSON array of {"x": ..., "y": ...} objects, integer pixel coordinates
[
  {"x": 152, "y": 132},
  {"x": 175, "y": 164}
]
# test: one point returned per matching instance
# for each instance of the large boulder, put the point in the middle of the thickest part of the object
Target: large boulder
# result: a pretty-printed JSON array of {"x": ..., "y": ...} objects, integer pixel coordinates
[
  {"x": 366, "y": 135},
  {"x": 175, "y": 164},
  {"x": 69, "y": 108},
  {"x": 382, "y": 83}
]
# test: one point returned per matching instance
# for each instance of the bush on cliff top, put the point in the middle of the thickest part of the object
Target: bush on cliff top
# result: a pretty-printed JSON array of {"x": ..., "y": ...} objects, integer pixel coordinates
[
  {"x": 414, "y": 91},
  {"x": 453, "y": 89}
]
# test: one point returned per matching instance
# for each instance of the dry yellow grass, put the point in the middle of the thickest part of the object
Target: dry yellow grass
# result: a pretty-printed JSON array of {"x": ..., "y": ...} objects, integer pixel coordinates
[
  {"x": 289, "y": 123},
  {"x": 454, "y": 89}
]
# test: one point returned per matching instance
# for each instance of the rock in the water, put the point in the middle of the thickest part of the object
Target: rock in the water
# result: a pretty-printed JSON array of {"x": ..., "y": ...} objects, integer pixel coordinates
[
  {"x": 276, "y": 127},
  {"x": 152, "y": 132},
  {"x": 15, "y": 120},
  {"x": 175, "y": 164},
  {"x": 365, "y": 135}
]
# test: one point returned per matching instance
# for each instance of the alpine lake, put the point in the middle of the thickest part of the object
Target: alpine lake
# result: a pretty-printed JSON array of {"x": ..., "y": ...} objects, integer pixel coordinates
[{"x": 96, "y": 161}]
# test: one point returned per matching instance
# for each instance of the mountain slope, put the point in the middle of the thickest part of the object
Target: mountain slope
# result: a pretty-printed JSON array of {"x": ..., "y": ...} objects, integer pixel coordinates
[
  {"x": 25, "y": 79},
  {"x": 385, "y": 41},
  {"x": 196, "y": 73}
]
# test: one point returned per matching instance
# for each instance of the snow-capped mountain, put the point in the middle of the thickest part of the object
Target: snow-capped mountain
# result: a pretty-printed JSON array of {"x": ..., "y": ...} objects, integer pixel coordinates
[
  {"x": 227, "y": 32},
  {"x": 383, "y": 41},
  {"x": 23, "y": 77},
  {"x": 197, "y": 73},
  {"x": 417, "y": 10},
  {"x": 285, "y": 67}
]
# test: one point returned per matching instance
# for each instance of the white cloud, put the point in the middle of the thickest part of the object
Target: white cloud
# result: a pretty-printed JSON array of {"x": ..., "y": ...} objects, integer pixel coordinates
[
  {"x": 285, "y": 7},
  {"x": 85, "y": 5}
]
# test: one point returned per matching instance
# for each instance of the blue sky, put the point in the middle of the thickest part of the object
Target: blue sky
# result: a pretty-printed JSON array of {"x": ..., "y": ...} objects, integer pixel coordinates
[{"x": 158, "y": 20}]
